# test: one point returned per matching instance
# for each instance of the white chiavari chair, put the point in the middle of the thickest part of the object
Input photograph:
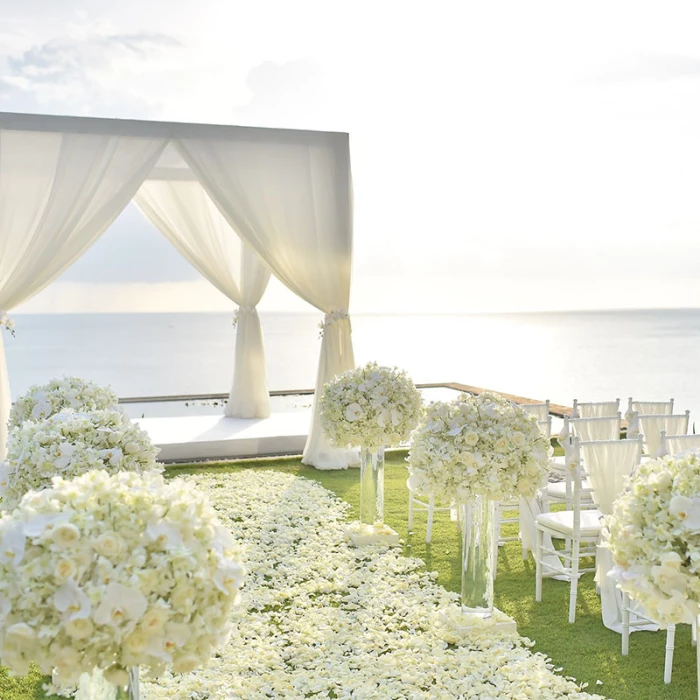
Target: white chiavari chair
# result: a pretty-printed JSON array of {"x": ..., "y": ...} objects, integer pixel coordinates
[
  {"x": 652, "y": 425},
  {"x": 608, "y": 463}
]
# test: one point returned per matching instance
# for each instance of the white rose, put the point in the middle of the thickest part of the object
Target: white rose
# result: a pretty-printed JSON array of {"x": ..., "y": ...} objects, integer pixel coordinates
[
  {"x": 65, "y": 568},
  {"x": 65, "y": 535},
  {"x": 81, "y": 628},
  {"x": 471, "y": 438},
  {"x": 109, "y": 545}
]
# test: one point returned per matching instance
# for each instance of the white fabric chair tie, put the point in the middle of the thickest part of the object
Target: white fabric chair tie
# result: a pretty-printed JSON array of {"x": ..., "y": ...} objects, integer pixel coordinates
[
  {"x": 240, "y": 311},
  {"x": 6, "y": 321},
  {"x": 332, "y": 317},
  {"x": 632, "y": 418}
]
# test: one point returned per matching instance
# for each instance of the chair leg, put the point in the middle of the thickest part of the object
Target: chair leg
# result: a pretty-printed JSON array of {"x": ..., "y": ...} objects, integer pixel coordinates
[
  {"x": 539, "y": 542},
  {"x": 668, "y": 664},
  {"x": 694, "y": 632},
  {"x": 410, "y": 512},
  {"x": 431, "y": 510},
  {"x": 625, "y": 624},
  {"x": 574, "y": 580}
]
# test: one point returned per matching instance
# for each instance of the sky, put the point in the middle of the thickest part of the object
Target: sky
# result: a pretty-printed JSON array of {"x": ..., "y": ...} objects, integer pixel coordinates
[{"x": 507, "y": 156}]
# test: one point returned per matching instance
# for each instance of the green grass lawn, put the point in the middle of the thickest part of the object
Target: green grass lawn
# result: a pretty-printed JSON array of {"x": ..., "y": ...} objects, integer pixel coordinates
[{"x": 586, "y": 650}]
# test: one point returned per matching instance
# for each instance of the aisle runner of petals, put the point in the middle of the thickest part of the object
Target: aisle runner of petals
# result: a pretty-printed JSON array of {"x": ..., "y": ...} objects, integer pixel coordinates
[{"x": 324, "y": 620}]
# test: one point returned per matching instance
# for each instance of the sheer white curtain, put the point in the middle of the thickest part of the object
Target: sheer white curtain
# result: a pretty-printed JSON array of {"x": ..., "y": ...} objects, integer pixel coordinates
[
  {"x": 58, "y": 193},
  {"x": 288, "y": 194},
  {"x": 607, "y": 464},
  {"x": 188, "y": 218}
]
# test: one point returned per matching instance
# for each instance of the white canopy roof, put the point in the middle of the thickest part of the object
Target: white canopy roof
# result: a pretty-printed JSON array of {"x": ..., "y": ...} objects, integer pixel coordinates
[{"x": 170, "y": 165}]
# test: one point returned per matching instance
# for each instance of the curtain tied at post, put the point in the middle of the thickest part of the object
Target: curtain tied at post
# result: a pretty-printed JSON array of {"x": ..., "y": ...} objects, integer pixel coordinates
[
  {"x": 6, "y": 321},
  {"x": 332, "y": 317},
  {"x": 240, "y": 311}
]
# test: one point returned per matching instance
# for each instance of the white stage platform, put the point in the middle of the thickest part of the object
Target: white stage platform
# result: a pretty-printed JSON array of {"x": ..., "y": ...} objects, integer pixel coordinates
[{"x": 184, "y": 438}]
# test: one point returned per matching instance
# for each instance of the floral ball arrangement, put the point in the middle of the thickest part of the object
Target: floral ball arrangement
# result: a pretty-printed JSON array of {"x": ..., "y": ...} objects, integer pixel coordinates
[
  {"x": 43, "y": 401},
  {"x": 114, "y": 571},
  {"x": 478, "y": 446},
  {"x": 654, "y": 538},
  {"x": 370, "y": 407},
  {"x": 68, "y": 444}
]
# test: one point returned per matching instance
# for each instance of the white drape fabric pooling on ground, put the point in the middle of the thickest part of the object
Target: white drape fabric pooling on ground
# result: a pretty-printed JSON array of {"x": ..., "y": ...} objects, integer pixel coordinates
[
  {"x": 608, "y": 463},
  {"x": 186, "y": 216},
  {"x": 290, "y": 198},
  {"x": 58, "y": 193}
]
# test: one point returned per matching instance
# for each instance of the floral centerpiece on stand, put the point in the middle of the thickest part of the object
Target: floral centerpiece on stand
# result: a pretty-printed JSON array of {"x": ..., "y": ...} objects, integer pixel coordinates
[
  {"x": 371, "y": 407},
  {"x": 42, "y": 401},
  {"x": 654, "y": 539},
  {"x": 475, "y": 451},
  {"x": 68, "y": 444},
  {"x": 114, "y": 572}
]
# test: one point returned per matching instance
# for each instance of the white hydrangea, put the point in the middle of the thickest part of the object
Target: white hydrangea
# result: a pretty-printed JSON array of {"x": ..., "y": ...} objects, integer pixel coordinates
[
  {"x": 654, "y": 537},
  {"x": 113, "y": 571},
  {"x": 68, "y": 444},
  {"x": 478, "y": 445},
  {"x": 43, "y": 401},
  {"x": 370, "y": 407}
]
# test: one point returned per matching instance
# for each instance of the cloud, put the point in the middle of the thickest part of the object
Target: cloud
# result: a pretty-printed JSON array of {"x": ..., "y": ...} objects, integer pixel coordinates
[
  {"x": 645, "y": 68},
  {"x": 86, "y": 68}
]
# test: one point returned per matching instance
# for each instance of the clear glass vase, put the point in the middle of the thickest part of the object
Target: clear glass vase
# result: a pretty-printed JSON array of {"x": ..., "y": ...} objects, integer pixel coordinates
[
  {"x": 477, "y": 524},
  {"x": 93, "y": 686},
  {"x": 133, "y": 690},
  {"x": 372, "y": 486}
]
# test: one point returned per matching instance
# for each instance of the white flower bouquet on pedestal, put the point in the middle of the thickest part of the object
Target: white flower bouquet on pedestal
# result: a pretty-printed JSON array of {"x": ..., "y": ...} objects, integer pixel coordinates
[
  {"x": 473, "y": 452},
  {"x": 654, "y": 539},
  {"x": 69, "y": 444},
  {"x": 373, "y": 408},
  {"x": 43, "y": 401},
  {"x": 114, "y": 572}
]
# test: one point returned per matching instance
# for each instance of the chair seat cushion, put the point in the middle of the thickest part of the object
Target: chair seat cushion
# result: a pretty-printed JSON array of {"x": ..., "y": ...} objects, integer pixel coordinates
[
  {"x": 563, "y": 522},
  {"x": 558, "y": 464},
  {"x": 558, "y": 490}
]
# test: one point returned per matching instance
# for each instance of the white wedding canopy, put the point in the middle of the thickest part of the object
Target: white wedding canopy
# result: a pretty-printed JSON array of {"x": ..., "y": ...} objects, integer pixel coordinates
[{"x": 286, "y": 193}]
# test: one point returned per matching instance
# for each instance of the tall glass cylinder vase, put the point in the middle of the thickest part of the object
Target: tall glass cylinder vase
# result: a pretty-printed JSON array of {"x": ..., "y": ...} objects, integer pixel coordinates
[
  {"x": 477, "y": 524},
  {"x": 133, "y": 690},
  {"x": 94, "y": 686},
  {"x": 372, "y": 486}
]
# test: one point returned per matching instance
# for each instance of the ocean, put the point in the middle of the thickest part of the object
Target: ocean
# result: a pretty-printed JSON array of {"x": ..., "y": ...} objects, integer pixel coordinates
[{"x": 592, "y": 356}]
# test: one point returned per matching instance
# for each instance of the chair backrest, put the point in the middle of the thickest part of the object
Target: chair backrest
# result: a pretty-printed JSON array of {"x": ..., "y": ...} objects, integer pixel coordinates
[
  {"x": 650, "y": 408},
  {"x": 678, "y": 444},
  {"x": 650, "y": 426},
  {"x": 589, "y": 429},
  {"x": 577, "y": 485},
  {"x": 595, "y": 409},
  {"x": 539, "y": 410},
  {"x": 545, "y": 427},
  {"x": 608, "y": 462}
]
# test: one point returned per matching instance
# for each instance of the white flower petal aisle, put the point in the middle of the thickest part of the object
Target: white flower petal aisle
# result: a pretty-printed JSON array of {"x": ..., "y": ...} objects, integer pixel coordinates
[{"x": 324, "y": 620}]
